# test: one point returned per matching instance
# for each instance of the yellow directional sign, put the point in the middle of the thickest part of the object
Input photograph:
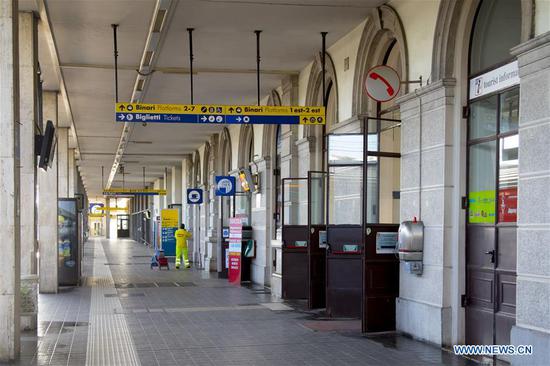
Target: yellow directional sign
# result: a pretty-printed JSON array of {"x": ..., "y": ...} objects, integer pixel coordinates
[
  {"x": 125, "y": 209},
  {"x": 133, "y": 192},
  {"x": 229, "y": 114}
]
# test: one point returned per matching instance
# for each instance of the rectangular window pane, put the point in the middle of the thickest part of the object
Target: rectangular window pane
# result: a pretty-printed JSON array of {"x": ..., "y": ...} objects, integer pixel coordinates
[
  {"x": 295, "y": 202},
  {"x": 483, "y": 117},
  {"x": 345, "y": 149},
  {"x": 318, "y": 197},
  {"x": 384, "y": 136},
  {"x": 508, "y": 179},
  {"x": 509, "y": 110},
  {"x": 383, "y": 194},
  {"x": 345, "y": 195},
  {"x": 482, "y": 179}
]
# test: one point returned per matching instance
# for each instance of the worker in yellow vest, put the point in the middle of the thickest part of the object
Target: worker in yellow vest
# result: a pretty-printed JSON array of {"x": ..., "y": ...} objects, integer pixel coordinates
[{"x": 181, "y": 246}]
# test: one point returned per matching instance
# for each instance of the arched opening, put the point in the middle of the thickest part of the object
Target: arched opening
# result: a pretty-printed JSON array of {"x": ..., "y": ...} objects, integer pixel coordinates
[
  {"x": 382, "y": 43},
  {"x": 492, "y": 172},
  {"x": 317, "y": 97},
  {"x": 243, "y": 201}
]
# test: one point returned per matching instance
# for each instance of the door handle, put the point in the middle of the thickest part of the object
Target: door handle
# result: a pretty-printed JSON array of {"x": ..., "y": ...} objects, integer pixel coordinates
[{"x": 492, "y": 253}]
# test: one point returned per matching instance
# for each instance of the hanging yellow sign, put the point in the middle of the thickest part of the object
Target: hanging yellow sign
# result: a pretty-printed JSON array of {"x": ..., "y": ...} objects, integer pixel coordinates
[{"x": 219, "y": 114}]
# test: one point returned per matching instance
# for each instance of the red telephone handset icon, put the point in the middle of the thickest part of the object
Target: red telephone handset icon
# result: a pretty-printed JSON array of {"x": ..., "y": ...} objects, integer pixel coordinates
[{"x": 376, "y": 76}]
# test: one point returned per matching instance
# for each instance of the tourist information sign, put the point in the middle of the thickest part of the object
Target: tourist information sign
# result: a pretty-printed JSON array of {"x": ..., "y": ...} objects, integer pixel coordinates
[{"x": 221, "y": 114}]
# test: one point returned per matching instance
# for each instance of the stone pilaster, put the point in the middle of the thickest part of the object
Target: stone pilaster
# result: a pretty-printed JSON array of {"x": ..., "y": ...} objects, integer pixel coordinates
[
  {"x": 73, "y": 173},
  {"x": 47, "y": 209},
  {"x": 9, "y": 183},
  {"x": 431, "y": 192},
  {"x": 28, "y": 86},
  {"x": 63, "y": 161},
  {"x": 533, "y": 254},
  {"x": 261, "y": 221}
]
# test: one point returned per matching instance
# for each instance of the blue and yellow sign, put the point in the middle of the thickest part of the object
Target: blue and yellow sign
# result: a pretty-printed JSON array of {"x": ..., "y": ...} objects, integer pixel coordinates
[
  {"x": 134, "y": 192},
  {"x": 169, "y": 220},
  {"x": 219, "y": 114}
]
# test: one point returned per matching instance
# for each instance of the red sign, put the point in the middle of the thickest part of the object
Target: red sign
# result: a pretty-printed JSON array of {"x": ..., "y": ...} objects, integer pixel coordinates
[
  {"x": 382, "y": 83},
  {"x": 508, "y": 204},
  {"x": 235, "y": 247},
  {"x": 235, "y": 268}
]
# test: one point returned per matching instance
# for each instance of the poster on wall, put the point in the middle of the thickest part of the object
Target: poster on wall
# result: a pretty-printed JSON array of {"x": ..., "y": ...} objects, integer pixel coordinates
[
  {"x": 481, "y": 207},
  {"x": 235, "y": 247},
  {"x": 169, "y": 221}
]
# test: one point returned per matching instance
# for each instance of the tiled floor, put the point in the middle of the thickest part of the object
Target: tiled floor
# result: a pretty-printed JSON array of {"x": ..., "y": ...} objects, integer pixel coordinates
[{"x": 127, "y": 314}]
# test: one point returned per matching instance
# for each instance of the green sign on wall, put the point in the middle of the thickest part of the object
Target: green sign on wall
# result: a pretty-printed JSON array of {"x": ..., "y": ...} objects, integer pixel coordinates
[{"x": 481, "y": 207}]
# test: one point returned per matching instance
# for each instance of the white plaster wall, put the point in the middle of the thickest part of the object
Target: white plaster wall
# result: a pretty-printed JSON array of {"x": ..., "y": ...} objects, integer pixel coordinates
[
  {"x": 346, "y": 47},
  {"x": 303, "y": 79},
  {"x": 234, "y": 134},
  {"x": 258, "y": 140},
  {"x": 419, "y": 18},
  {"x": 542, "y": 17}
]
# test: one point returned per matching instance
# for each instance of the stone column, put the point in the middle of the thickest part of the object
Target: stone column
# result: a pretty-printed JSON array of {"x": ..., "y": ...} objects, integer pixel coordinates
[
  {"x": 107, "y": 218},
  {"x": 288, "y": 168},
  {"x": 176, "y": 185},
  {"x": 428, "y": 305},
  {"x": 73, "y": 173},
  {"x": 533, "y": 257},
  {"x": 262, "y": 217},
  {"x": 28, "y": 86},
  {"x": 9, "y": 183},
  {"x": 168, "y": 187},
  {"x": 47, "y": 213},
  {"x": 63, "y": 161}
]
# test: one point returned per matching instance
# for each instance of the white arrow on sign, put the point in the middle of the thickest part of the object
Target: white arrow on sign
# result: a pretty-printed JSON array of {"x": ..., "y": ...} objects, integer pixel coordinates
[
  {"x": 203, "y": 118},
  {"x": 121, "y": 117},
  {"x": 238, "y": 119},
  {"x": 382, "y": 83}
]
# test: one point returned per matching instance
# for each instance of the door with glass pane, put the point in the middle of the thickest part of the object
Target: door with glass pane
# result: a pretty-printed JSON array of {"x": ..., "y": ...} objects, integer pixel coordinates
[
  {"x": 317, "y": 244},
  {"x": 491, "y": 218},
  {"x": 382, "y": 170},
  {"x": 344, "y": 266},
  {"x": 295, "y": 237},
  {"x": 123, "y": 228}
]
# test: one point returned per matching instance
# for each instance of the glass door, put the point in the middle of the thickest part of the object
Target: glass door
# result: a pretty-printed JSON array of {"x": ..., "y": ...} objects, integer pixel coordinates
[{"x": 492, "y": 215}]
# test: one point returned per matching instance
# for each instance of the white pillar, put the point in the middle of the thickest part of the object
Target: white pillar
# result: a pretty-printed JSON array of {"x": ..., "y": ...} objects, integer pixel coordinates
[
  {"x": 47, "y": 208},
  {"x": 10, "y": 261},
  {"x": 168, "y": 187},
  {"x": 73, "y": 173},
  {"x": 28, "y": 82},
  {"x": 533, "y": 258},
  {"x": 107, "y": 219},
  {"x": 63, "y": 161},
  {"x": 176, "y": 185}
]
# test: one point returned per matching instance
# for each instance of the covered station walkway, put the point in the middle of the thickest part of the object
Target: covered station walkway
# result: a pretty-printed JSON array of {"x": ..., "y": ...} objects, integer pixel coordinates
[
  {"x": 125, "y": 314},
  {"x": 354, "y": 182}
]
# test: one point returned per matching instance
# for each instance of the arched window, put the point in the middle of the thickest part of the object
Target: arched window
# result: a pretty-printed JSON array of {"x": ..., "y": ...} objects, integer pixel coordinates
[
  {"x": 492, "y": 171},
  {"x": 496, "y": 30}
]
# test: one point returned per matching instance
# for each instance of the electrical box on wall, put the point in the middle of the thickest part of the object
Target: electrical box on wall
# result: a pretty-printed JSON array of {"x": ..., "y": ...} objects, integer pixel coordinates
[{"x": 411, "y": 245}]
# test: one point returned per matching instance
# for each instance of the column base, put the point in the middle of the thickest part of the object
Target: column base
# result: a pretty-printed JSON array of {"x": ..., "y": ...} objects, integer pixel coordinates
[
  {"x": 29, "y": 302},
  {"x": 423, "y": 321},
  {"x": 540, "y": 342}
]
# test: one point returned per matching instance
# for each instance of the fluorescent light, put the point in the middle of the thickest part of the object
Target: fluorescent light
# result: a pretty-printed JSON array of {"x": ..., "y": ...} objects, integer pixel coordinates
[{"x": 159, "y": 20}]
